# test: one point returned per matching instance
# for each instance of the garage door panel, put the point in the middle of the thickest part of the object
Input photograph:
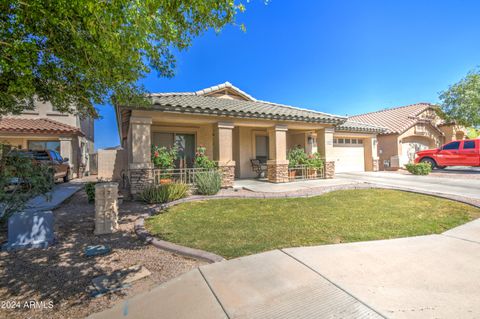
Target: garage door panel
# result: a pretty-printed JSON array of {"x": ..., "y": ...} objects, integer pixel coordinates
[{"x": 349, "y": 158}]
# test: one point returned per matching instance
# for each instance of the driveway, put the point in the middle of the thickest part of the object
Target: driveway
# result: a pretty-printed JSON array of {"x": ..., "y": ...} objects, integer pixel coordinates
[
  {"x": 453, "y": 186},
  {"x": 433, "y": 276}
]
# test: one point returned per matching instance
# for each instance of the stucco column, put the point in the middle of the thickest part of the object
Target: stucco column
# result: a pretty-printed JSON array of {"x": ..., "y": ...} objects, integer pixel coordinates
[
  {"x": 277, "y": 165},
  {"x": 371, "y": 154},
  {"x": 224, "y": 152},
  {"x": 325, "y": 148},
  {"x": 140, "y": 161},
  {"x": 66, "y": 151}
]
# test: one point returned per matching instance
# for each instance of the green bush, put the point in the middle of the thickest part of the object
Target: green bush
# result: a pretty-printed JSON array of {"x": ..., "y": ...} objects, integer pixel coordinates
[
  {"x": 419, "y": 169},
  {"x": 296, "y": 156},
  {"x": 164, "y": 193},
  {"x": 21, "y": 178},
  {"x": 90, "y": 190},
  {"x": 208, "y": 183}
]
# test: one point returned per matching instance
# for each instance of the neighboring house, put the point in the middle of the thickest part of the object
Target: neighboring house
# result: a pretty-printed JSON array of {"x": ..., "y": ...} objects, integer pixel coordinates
[
  {"x": 409, "y": 129},
  {"x": 45, "y": 128},
  {"x": 236, "y": 128}
]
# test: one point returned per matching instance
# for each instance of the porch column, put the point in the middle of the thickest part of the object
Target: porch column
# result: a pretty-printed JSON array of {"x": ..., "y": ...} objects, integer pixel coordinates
[
  {"x": 66, "y": 151},
  {"x": 224, "y": 152},
  {"x": 325, "y": 148},
  {"x": 371, "y": 154},
  {"x": 139, "y": 154},
  {"x": 277, "y": 165}
]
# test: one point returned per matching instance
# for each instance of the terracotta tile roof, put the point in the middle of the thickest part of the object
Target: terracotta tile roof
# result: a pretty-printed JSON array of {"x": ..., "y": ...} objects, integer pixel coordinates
[
  {"x": 36, "y": 126},
  {"x": 395, "y": 120},
  {"x": 354, "y": 126}
]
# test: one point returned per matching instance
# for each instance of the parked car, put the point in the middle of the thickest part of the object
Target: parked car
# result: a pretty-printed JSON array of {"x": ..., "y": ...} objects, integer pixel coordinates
[
  {"x": 455, "y": 153},
  {"x": 60, "y": 166}
]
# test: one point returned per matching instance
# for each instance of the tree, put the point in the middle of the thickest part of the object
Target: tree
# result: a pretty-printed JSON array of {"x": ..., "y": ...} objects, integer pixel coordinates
[
  {"x": 461, "y": 102},
  {"x": 20, "y": 180},
  {"x": 81, "y": 52}
]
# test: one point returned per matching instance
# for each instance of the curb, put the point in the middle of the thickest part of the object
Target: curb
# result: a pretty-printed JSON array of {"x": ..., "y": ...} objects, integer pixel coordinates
[{"x": 144, "y": 235}]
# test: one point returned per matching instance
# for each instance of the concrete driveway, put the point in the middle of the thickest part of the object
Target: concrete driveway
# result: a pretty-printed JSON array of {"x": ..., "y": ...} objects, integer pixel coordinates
[
  {"x": 454, "y": 186},
  {"x": 432, "y": 276}
]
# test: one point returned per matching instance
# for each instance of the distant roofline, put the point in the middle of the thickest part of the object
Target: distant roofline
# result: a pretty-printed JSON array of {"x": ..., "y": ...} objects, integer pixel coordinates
[{"x": 397, "y": 107}]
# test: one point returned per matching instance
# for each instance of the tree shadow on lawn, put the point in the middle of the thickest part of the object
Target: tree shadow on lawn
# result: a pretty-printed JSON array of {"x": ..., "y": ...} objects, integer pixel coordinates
[{"x": 62, "y": 273}]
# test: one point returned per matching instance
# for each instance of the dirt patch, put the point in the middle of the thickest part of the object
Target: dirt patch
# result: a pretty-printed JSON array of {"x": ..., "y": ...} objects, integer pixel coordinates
[{"x": 61, "y": 275}]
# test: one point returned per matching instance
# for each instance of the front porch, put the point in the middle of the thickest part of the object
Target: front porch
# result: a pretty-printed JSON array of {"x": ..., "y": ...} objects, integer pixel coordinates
[{"x": 233, "y": 145}]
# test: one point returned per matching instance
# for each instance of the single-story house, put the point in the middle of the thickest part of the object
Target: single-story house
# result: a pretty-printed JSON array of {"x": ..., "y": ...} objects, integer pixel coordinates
[
  {"x": 236, "y": 128},
  {"x": 45, "y": 128},
  {"x": 409, "y": 129}
]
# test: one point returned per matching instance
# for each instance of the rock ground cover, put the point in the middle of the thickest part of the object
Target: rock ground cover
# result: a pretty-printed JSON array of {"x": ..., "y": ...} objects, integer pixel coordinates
[{"x": 63, "y": 275}]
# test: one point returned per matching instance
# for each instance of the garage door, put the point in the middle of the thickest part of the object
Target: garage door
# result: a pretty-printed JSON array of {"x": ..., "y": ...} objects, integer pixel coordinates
[
  {"x": 349, "y": 158},
  {"x": 408, "y": 151}
]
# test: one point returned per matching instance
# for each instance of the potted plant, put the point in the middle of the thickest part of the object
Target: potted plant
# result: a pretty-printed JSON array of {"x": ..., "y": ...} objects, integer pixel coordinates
[
  {"x": 201, "y": 160},
  {"x": 314, "y": 164},
  {"x": 296, "y": 156},
  {"x": 164, "y": 158}
]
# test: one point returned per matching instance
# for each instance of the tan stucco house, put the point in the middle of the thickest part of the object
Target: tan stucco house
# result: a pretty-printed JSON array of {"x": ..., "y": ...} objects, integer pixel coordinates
[
  {"x": 409, "y": 129},
  {"x": 236, "y": 128},
  {"x": 46, "y": 128}
]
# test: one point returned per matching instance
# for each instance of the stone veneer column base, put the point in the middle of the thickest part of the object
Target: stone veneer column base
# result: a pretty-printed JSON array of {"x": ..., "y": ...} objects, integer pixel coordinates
[
  {"x": 227, "y": 171},
  {"x": 329, "y": 169},
  {"x": 277, "y": 171},
  {"x": 375, "y": 165},
  {"x": 139, "y": 178}
]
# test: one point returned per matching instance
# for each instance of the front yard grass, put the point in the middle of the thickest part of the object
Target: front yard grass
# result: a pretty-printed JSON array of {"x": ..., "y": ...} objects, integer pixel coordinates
[{"x": 238, "y": 227}]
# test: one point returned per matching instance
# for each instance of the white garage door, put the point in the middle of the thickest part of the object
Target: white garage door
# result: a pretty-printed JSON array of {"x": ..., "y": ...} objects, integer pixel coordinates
[{"x": 349, "y": 158}]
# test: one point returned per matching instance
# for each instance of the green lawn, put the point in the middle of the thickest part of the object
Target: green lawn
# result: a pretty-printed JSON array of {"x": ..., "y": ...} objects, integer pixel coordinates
[{"x": 238, "y": 227}]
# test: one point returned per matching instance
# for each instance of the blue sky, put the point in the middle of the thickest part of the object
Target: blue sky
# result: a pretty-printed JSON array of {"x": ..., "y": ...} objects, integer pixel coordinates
[{"x": 341, "y": 57}]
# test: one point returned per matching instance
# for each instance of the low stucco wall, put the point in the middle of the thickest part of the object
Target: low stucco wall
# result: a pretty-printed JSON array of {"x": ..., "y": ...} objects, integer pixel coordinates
[{"x": 111, "y": 163}]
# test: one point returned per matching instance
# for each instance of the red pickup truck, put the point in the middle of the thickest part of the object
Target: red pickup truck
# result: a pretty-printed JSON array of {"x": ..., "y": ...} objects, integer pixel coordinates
[{"x": 455, "y": 153}]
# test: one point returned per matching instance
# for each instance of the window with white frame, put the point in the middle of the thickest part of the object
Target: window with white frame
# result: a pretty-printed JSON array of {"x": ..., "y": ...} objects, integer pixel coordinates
[{"x": 347, "y": 141}]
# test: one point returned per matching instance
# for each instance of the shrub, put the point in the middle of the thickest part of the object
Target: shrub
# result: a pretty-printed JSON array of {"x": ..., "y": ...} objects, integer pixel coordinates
[
  {"x": 208, "y": 183},
  {"x": 163, "y": 157},
  {"x": 21, "y": 178},
  {"x": 315, "y": 161},
  {"x": 201, "y": 160},
  {"x": 419, "y": 169},
  {"x": 164, "y": 193},
  {"x": 90, "y": 190},
  {"x": 296, "y": 156}
]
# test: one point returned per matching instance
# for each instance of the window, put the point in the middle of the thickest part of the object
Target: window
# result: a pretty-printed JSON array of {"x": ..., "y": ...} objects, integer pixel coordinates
[
  {"x": 44, "y": 145},
  {"x": 452, "y": 146},
  {"x": 347, "y": 141},
  {"x": 468, "y": 145},
  {"x": 185, "y": 144}
]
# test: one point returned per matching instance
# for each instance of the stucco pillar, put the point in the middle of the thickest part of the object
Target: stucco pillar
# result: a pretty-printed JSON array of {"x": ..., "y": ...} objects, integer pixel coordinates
[
  {"x": 371, "y": 154},
  {"x": 325, "y": 148},
  {"x": 277, "y": 165},
  {"x": 224, "y": 152},
  {"x": 140, "y": 161},
  {"x": 66, "y": 151}
]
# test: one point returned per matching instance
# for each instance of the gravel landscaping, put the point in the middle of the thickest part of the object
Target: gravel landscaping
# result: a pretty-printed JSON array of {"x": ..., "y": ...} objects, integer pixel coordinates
[{"x": 62, "y": 274}]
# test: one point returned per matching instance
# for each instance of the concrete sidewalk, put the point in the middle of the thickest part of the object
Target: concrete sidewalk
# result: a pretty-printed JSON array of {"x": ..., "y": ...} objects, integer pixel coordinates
[
  {"x": 55, "y": 198},
  {"x": 419, "y": 277},
  {"x": 448, "y": 186},
  {"x": 261, "y": 186}
]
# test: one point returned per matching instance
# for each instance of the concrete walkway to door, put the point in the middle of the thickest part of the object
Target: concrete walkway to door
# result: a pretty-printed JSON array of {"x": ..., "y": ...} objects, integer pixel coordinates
[{"x": 433, "y": 276}]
